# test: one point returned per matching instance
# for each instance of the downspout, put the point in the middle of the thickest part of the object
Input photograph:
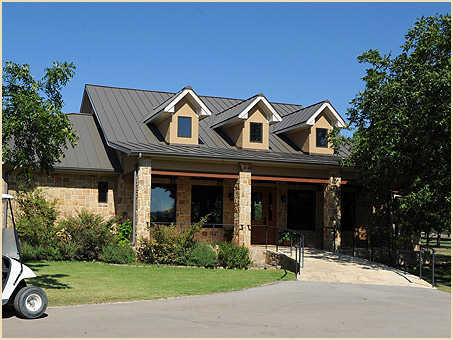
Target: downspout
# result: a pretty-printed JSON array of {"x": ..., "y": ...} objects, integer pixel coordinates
[{"x": 134, "y": 205}]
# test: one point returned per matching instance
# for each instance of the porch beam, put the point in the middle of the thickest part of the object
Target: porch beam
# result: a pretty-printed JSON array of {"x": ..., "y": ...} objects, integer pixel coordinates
[
  {"x": 293, "y": 179},
  {"x": 194, "y": 174}
]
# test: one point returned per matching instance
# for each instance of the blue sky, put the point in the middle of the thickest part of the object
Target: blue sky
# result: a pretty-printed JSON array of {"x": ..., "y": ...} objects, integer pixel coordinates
[{"x": 292, "y": 52}]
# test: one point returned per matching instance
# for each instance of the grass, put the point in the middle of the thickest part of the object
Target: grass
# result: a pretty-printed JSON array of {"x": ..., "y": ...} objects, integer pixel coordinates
[
  {"x": 68, "y": 283},
  {"x": 442, "y": 268}
]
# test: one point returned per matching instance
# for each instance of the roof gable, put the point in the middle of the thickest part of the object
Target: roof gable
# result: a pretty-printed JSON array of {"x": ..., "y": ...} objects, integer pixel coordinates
[
  {"x": 307, "y": 116},
  {"x": 168, "y": 106},
  {"x": 242, "y": 109}
]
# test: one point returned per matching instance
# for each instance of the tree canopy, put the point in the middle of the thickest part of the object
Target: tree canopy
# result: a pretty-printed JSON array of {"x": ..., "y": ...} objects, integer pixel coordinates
[
  {"x": 35, "y": 131},
  {"x": 401, "y": 127}
]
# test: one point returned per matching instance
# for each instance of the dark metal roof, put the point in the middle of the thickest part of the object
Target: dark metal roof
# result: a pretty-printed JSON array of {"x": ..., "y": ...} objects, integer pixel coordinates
[
  {"x": 90, "y": 153},
  {"x": 297, "y": 118},
  {"x": 201, "y": 151},
  {"x": 232, "y": 112},
  {"x": 121, "y": 113}
]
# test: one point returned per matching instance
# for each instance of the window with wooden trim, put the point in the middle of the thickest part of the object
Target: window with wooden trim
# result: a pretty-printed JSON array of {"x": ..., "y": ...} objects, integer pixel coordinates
[
  {"x": 321, "y": 138},
  {"x": 256, "y": 132},
  {"x": 103, "y": 188},
  {"x": 185, "y": 127}
]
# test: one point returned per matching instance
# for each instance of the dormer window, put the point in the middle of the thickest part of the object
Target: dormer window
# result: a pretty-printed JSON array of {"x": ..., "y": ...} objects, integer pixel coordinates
[
  {"x": 256, "y": 132},
  {"x": 321, "y": 138},
  {"x": 185, "y": 127}
]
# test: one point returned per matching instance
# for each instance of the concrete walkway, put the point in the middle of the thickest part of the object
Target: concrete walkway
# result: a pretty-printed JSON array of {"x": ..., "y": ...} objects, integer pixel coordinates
[
  {"x": 320, "y": 265},
  {"x": 287, "y": 309}
]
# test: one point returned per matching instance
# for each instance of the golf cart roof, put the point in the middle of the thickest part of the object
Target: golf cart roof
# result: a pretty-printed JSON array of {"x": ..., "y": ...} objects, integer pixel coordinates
[{"x": 5, "y": 196}]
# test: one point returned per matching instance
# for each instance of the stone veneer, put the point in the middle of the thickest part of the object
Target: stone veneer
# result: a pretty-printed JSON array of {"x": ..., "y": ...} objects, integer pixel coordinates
[
  {"x": 242, "y": 207},
  {"x": 332, "y": 214},
  {"x": 74, "y": 192},
  {"x": 143, "y": 200}
]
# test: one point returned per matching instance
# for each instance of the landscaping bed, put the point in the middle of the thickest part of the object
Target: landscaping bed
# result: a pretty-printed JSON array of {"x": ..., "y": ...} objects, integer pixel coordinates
[{"x": 70, "y": 282}]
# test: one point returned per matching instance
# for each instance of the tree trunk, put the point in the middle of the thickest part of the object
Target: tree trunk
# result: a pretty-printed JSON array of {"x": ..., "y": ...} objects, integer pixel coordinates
[
  {"x": 427, "y": 238},
  {"x": 438, "y": 240}
]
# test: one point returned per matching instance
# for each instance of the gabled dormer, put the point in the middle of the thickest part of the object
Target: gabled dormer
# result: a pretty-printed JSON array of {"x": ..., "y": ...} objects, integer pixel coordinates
[
  {"x": 247, "y": 123},
  {"x": 308, "y": 128},
  {"x": 178, "y": 117}
]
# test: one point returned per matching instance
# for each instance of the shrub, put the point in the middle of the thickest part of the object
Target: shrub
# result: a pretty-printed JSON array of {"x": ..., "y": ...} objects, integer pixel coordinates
[
  {"x": 36, "y": 218},
  {"x": 202, "y": 255},
  {"x": 30, "y": 252},
  {"x": 88, "y": 233},
  {"x": 168, "y": 244},
  {"x": 123, "y": 232},
  {"x": 232, "y": 256},
  {"x": 116, "y": 253}
]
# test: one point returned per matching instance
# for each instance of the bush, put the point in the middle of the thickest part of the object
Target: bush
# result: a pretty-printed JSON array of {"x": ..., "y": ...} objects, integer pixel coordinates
[
  {"x": 30, "y": 252},
  {"x": 116, "y": 253},
  {"x": 168, "y": 244},
  {"x": 202, "y": 255},
  {"x": 36, "y": 218},
  {"x": 232, "y": 256},
  {"x": 123, "y": 232},
  {"x": 88, "y": 233}
]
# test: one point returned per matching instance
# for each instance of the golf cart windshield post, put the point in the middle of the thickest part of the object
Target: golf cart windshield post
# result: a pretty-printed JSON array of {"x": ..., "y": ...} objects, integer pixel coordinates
[{"x": 10, "y": 240}]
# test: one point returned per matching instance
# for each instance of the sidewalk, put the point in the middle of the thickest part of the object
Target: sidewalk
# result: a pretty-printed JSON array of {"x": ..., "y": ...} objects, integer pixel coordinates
[{"x": 320, "y": 265}]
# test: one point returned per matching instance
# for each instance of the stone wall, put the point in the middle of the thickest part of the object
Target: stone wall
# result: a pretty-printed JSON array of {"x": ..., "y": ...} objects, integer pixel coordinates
[
  {"x": 143, "y": 199},
  {"x": 74, "y": 192},
  {"x": 332, "y": 214},
  {"x": 242, "y": 207}
]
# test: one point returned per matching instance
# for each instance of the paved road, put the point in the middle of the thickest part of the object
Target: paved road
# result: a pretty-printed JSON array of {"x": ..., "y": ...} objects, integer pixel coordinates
[{"x": 287, "y": 309}]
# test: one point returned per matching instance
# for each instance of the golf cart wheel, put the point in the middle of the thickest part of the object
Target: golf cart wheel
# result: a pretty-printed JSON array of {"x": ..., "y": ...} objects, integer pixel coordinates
[{"x": 30, "y": 302}]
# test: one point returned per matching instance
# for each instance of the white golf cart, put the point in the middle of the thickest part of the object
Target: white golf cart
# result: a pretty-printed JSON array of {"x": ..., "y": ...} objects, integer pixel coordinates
[{"x": 28, "y": 301}]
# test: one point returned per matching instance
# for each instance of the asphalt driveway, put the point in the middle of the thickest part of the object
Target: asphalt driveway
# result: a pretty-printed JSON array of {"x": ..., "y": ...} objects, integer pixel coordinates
[{"x": 287, "y": 309}]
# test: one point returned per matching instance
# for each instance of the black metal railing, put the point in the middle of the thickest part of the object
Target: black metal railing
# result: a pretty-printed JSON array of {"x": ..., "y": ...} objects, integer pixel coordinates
[{"x": 294, "y": 237}]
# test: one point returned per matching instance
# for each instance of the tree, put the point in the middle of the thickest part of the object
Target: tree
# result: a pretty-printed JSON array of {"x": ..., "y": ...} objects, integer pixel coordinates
[
  {"x": 401, "y": 130},
  {"x": 35, "y": 131}
]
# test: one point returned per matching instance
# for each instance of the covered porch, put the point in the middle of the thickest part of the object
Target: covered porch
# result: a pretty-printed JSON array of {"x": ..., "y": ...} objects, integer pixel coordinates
[{"x": 246, "y": 208}]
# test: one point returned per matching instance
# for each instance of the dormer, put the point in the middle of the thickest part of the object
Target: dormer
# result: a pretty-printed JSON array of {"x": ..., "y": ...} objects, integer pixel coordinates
[
  {"x": 247, "y": 123},
  {"x": 177, "y": 118},
  {"x": 308, "y": 128}
]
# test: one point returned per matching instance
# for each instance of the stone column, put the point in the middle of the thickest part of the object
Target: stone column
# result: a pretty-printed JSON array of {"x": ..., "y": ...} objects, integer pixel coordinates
[
  {"x": 332, "y": 214},
  {"x": 243, "y": 207},
  {"x": 183, "y": 202},
  {"x": 143, "y": 198}
]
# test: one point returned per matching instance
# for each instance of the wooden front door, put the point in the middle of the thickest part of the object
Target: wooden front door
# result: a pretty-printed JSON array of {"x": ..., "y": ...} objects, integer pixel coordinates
[{"x": 263, "y": 215}]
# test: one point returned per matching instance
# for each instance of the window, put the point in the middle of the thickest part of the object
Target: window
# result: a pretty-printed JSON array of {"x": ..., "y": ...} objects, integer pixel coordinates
[
  {"x": 256, "y": 132},
  {"x": 185, "y": 127},
  {"x": 207, "y": 200},
  {"x": 257, "y": 207},
  {"x": 103, "y": 188},
  {"x": 163, "y": 203},
  {"x": 301, "y": 209},
  {"x": 321, "y": 138}
]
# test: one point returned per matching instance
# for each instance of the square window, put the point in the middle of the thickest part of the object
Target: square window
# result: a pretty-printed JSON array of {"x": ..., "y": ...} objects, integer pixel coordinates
[
  {"x": 185, "y": 127},
  {"x": 321, "y": 138},
  {"x": 256, "y": 132},
  {"x": 103, "y": 188}
]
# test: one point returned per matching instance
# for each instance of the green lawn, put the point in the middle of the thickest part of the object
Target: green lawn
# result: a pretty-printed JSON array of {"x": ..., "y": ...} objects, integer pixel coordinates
[{"x": 69, "y": 283}]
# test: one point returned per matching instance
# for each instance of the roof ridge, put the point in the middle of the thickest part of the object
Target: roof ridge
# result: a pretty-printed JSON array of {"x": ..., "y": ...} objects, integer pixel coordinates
[
  {"x": 168, "y": 92},
  {"x": 129, "y": 88},
  {"x": 79, "y": 113}
]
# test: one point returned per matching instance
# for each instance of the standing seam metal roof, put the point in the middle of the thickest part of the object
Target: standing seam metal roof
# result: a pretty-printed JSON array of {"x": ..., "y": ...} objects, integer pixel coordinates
[{"x": 121, "y": 113}]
